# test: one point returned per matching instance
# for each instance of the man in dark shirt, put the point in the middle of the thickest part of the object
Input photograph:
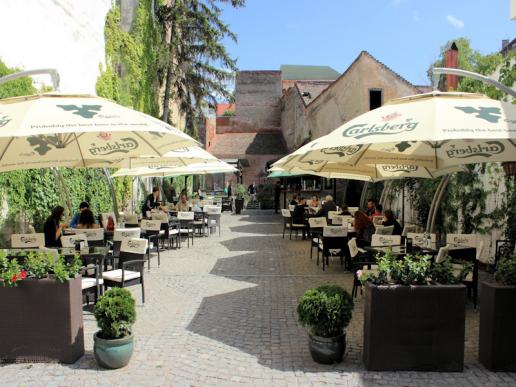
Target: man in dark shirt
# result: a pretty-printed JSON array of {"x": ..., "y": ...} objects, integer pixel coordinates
[
  {"x": 329, "y": 205},
  {"x": 293, "y": 202},
  {"x": 151, "y": 202}
]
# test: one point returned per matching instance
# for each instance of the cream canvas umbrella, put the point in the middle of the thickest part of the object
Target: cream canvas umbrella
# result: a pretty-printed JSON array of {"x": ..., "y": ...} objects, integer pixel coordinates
[
  {"x": 372, "y": 172},
  {"x": 434, "y": 130},
  {"x": 192, "y": 169},
  {"x": 53, "y": 130}
]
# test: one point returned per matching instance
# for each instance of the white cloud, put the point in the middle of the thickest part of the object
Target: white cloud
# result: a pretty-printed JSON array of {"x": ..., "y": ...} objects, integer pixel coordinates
[{"x": 455, "y": 22}]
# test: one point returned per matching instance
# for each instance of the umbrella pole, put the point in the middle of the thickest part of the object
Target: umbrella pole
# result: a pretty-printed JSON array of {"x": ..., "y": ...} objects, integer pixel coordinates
[
  {"x": 335, "y": 190},
  {"x": 403, "y": 205},
  {"x": 112, "y": 190},
  {"x": 432, "y": 215}
]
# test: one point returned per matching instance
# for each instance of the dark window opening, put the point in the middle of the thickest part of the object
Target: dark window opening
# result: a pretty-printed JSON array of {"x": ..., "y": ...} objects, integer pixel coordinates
[{"x": 375, "y": 98}]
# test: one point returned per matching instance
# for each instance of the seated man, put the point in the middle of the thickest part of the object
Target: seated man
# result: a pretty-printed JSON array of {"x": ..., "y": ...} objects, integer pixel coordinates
[
  {"x": 75, "y": 220},
  {"x": 183, "y": 205},
  {"x": 329, "y": 205},
  {"x": 298, "y": 216}
]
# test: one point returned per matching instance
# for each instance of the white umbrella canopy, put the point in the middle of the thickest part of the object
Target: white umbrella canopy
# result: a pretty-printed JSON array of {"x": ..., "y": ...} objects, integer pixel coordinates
[
  {"x": 373, "y": 172},
  {"x": 192, "y": 169},
  {"x": 434, "y": 130},
  {"x": 54, "y": 130}
]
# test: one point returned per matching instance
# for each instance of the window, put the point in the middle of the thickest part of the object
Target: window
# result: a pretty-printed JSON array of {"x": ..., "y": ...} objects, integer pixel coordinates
[{"x": 375, "y": 98}]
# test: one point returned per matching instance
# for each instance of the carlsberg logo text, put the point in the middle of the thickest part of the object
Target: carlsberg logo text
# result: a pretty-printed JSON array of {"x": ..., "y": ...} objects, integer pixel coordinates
[
  {"x": 125, "y": 145},
  {"x": 364, "y": 130},
  {"x": 400, "y": 168},
  {"x": 488, "y": 149}
]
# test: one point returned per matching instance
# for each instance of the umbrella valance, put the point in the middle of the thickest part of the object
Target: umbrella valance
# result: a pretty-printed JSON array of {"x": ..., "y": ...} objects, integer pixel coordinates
[
  {"x": 193, "y": 169},
  {"x": 434, "y": 130},
  {"x": 52, "y": 130}
]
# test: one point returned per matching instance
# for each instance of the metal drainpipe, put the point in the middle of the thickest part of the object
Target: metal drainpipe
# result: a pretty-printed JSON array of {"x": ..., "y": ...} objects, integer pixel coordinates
[
  {"x": 112, "y": 190},
  {"x": 441, "y": 189}
]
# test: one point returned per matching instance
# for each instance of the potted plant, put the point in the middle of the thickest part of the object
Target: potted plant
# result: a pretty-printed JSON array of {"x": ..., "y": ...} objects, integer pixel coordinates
[
  {"x": 45, "y": 291},
  {"x": 414, "y": 315},
  {"x": 497, "y": 334},
  {"x": 242, "y": 198},
  {"x": 327, "y": 311},
  {"x": 115, "y": 314}
]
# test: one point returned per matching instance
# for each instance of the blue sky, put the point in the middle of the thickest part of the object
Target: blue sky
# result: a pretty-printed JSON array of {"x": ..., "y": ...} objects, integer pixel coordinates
[{"x": 404, "y": 34}]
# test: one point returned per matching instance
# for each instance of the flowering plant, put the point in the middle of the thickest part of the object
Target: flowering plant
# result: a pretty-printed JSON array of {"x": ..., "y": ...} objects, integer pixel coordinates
[{"x": 36, "y": 265}]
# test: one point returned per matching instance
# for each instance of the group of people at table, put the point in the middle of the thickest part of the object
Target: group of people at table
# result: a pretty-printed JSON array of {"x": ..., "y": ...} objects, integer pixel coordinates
[
  {"x": 55, "y": 227},
  {"x": 362, "y": 222}
]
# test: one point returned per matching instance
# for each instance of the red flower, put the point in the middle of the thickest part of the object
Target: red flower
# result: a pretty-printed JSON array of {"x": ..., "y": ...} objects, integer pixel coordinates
[
  {"x": 23, "y": 274},
  {"x": 14, "y": 278}
]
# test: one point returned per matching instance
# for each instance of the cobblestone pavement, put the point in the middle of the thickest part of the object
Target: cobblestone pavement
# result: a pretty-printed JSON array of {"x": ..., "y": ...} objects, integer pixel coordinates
[{"x": 223, "y": 312}]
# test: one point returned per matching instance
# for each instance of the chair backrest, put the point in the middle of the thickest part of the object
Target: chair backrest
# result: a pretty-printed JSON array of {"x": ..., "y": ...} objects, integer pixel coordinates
[
  {"x": 352, "y": 210},
  {"x": 462, "y": 239},
  {"x": 442, "y": 254},
  {"x": 317, "y": 222},
  {"x": 409, "y": 228},
  {"x": 377, "y": 220},
  {"x": 92, "y": 234},
  {"x": 105, "y": 218},
  {"x": 384, "y": 230},
  {"x": 385, "y": 240},
  {"x": 27, "y": 241},
  {"x": 353, "y": 248},
  {"x": 125, "y": 233},
  {"x": 419, "y": 238},
  {"x": 213, "y": 210},
  {"x": 161, "y": 216},
  {"x": 183, "y": 215},
  {"x": 339, "y": 220},
  {"x": 71, "y": 240},
  {"x": 150, "y": 225},
  {"x": 285, "y": 213},
  {"x": 134, "y": 246},
  {"x": 335, "y": 231},
  {"x": 291, "y": 207},
  {"x": 131, "y": 218},
  {"x": 331, "y": 214}
]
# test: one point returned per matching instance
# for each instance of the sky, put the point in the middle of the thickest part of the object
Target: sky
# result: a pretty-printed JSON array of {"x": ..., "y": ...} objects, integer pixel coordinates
[{"x": 406, "y": 35}]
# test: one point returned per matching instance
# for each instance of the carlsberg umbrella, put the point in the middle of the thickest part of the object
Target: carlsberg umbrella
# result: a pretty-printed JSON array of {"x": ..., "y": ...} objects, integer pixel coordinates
[
  {"x": 435, "y": 130},
  {"x": 53, "y": 130}
]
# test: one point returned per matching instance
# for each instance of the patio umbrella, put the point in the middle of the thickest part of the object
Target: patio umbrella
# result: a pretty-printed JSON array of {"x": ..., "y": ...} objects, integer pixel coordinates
[
  {"x": 177, "y": 158},
  {"x": 54, "y": 130},
  {"x": 192, "y": 169},
  {"x": 434, "y": 130}
]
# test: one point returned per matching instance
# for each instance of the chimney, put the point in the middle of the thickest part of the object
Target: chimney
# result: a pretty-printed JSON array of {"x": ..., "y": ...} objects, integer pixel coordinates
[{"x": 451, "y": 56}]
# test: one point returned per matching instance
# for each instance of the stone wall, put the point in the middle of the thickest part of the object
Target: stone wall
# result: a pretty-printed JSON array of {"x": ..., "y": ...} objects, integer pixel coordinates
[
  {"x": 293, "y": 119},
  {"x": 257, "y": 95}
]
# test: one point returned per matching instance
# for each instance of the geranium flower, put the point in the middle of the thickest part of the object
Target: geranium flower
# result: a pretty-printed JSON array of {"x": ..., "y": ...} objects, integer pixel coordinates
[
  {"x": 23, "y": 274},
  {"x": 359, "y": 273},
  {"x": 14, "y": 278}
]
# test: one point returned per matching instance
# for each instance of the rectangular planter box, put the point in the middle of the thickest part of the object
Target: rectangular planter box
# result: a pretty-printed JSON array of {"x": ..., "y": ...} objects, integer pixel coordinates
[
  {"x": 414, "y": 328},
  {"x": 41, "y": 321},
  {"x": 497, "y": 336}
]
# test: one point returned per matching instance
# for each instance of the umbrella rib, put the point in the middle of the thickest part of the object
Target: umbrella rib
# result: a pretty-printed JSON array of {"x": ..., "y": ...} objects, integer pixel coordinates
[
  {"x": 6, "y": 147},
  {"x": 80, "y": 150},
  {"x": 148, "y": 143},
  {"x": 361, "y": 155}
]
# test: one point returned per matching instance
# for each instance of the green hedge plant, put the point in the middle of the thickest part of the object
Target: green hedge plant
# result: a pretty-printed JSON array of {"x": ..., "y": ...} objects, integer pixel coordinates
[
  {"x": 506, "y": 271},
  {"x": 326, "y": 310},
  {"x": 115, "y": 314}
]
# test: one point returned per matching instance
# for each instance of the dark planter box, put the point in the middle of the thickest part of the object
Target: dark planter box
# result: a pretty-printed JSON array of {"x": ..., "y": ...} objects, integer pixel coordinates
[
  {"x": 497, "y": 338},
  {"x": 41, "y": 321},
  {"x": 414, "y": 328}
]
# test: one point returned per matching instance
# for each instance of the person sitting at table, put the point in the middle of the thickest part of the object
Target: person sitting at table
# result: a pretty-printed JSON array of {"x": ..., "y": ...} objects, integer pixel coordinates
[
  {"x": 53, "y": 228},
  {"x": 87, "y": 220},
  {"x": 364, "y": 228},
  {"x": 293, "y": 202},
  {"x": 345, "y": 210},
  {"x": 372, "y": 209},
  {"x": 75, "y": 220},
  {"x": 298, "y": 215},
  {"x": 389, "y": 220},
  {"x": 183, "y": 205},
  {"x": 315, "y": 202},
  {"x": 151, "y": 202},
  {"x": 329, "y": 205}
]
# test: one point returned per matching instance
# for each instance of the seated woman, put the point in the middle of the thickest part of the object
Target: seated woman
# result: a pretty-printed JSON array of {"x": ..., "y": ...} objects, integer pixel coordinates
[
  {"x": 389, "y": 220},
  {"x": 87, "y": 220},
  {"x": 183, "y": 205},
  {"x": 364, "y": 228},
  {"x": 298, "y": 216},
  {"x": 53, "y": 229},
  {"x": 315, "y": 202}
]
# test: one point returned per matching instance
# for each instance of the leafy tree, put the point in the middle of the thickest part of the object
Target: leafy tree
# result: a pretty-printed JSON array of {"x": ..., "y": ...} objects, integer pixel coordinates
[
  {"x": 16, "y": 88},
  {"x": 198, "y": 66}
]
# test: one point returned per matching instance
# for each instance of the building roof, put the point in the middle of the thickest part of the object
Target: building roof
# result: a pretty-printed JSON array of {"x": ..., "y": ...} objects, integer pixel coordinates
[
  {"x": 238, "y": 145},
  {"x": 309, "y": 90},
  {"x": 308, "y": 73}
]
